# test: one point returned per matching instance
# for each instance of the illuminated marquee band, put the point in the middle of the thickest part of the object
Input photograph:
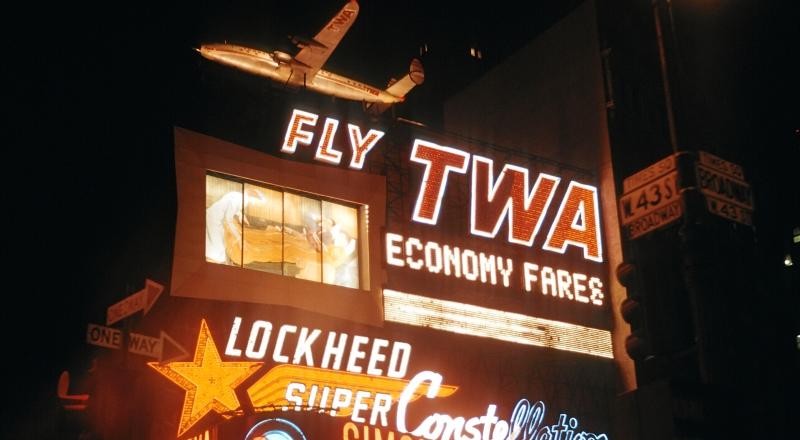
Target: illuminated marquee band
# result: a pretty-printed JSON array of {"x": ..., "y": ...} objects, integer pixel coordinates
[{"x": 466, "y": 319}]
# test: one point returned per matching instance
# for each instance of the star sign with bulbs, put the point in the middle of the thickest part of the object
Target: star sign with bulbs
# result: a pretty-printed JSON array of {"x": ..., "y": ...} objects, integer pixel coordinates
[{"x": 209, "y": 382}]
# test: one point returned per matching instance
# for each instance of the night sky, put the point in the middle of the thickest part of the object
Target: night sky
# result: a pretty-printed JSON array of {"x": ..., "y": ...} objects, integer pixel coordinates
[{"x": 95, "y": 91}]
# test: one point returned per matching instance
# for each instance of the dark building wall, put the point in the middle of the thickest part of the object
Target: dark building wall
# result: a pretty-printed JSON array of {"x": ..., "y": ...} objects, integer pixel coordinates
[{"x": 548, "y": 100}]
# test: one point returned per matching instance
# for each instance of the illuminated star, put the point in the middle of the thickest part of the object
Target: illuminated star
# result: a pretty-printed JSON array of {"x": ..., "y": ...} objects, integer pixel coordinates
[{"x": 209, "y": 382}]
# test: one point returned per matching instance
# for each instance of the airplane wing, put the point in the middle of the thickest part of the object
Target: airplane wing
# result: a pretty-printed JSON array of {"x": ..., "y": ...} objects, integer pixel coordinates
[{"x": 314, "y": 54}]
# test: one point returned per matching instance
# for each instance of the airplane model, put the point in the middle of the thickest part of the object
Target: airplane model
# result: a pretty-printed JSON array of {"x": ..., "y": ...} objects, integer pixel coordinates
[{"x": 305, "y": 68}]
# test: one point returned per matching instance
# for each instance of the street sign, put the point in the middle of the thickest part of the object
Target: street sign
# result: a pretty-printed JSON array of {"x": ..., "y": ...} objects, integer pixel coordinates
[
  {"x": 650, "y": 200},
  {"x": 722, "y": 186},
  {"x": 729, "y": 211},
  {"x": 155, "y": 347},
  {"x": 104, "y": 336},
  {"x": 721, "y": 165},
  {"x": 141, "y": 300},
  {"x": 661, "y": 217},
  {"x": 140, "y": 344},
  {"x": 652, "y": 172},
  {"x": 144, "y": 345}
]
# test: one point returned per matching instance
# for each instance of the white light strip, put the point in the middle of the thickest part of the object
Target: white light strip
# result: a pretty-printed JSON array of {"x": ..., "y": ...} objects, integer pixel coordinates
[{"x": 466, "y": 319}]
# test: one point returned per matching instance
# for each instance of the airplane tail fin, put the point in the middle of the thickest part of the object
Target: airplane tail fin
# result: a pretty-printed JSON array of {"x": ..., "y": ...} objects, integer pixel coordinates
[{"x": 401, "y": 87}]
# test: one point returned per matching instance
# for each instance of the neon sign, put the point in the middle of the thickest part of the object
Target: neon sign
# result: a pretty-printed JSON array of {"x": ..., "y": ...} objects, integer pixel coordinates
[
  {"x": 479, "y": 267},
  {"x": 211, "y": 383},
  {"x": 335, "y": 349},
  {"x": 525, "y": 421},
  {"x": 359, "y": 144},
  {"x": 577, "y": 221},
  {"x": 508, "y": 198},
  {"x": 513, "y": 198}
]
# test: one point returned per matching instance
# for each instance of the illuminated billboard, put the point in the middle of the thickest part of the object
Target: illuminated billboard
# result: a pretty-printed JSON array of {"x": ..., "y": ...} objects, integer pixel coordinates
[
  {"x": 481, "y": 232},
  {"x": 332, "y": 383},
  {"x": 366, "y": 281}
]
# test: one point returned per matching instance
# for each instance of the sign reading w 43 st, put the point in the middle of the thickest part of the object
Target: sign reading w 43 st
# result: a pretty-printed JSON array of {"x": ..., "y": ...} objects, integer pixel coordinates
[
  {"x": 648, "y": 198},
  {"x": 651, "y": 198}
]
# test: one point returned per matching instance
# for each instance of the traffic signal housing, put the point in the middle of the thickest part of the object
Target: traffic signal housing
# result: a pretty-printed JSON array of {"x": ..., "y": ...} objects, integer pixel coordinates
[{"x": 637, "y": 344}]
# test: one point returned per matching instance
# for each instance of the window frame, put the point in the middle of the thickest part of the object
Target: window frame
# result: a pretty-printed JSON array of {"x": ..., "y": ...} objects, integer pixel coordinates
[{"x": 192, "y": 276}]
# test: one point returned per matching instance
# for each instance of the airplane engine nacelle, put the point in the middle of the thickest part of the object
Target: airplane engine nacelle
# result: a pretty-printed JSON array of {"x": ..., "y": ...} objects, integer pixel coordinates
[{"x": 281, "y": 57}]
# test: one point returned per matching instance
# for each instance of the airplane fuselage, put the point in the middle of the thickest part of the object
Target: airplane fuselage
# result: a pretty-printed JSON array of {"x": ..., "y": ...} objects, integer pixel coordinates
[{"x": 291, "y": 73}]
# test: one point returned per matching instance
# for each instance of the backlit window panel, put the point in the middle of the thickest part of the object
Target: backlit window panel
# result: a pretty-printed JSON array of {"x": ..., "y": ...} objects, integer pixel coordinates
[{"x": 270, "y": 229}]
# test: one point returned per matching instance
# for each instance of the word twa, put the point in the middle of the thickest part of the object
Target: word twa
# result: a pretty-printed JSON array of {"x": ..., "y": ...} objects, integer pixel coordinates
[
  {"x": 510, "y": 197},
  {"x": 513, "y": 197}
]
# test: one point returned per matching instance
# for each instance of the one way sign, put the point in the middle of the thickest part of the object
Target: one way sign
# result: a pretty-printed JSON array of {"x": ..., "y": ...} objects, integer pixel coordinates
[
  {"x": 154, "y": 347},
  {"x": 163, "y": 348}
]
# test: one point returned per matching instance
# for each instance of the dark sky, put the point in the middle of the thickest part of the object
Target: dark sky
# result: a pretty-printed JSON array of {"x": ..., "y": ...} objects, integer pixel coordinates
[{"x": 95, "y": 89}]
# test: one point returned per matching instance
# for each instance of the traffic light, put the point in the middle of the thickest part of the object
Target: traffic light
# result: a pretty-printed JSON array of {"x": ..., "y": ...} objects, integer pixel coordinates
[{"x": 637, "y": 344}]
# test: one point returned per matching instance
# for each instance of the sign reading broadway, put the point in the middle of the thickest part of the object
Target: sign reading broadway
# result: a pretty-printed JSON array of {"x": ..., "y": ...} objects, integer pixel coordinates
[
  {"x": 727, "y": 194},
  {"x": 651, "y": 199}
]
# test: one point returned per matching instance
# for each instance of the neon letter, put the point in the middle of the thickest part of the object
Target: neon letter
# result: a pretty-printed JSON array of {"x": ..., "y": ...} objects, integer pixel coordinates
[
  {"x": 295, "y": 133},
  {"x": 335, "y": 351},
  {"x": 508, "y": 195},
  {"x": 276, "y": 355},
  {"x": 361, "y": 146},
  {"x": 408, "y": 393},
  {"x": 577, "y": 223},
  {"x": 348, "y": 428},
  {"x": 356, "y": 354},
  {"x": 304, "y": 343},
  {"x": 325, "y": 150},
  {"x": 230, "y": 350},
  {"x": 251, "y": 342},
  {"x": 392, "y": 249},
  {"x": 398, "y": 361},
  {"x": 438, "y": 161}
]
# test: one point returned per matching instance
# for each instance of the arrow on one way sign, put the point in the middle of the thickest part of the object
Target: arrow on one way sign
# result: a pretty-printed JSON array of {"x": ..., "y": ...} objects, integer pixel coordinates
[
  {"x": 141, "y": 300},
  {"x": 154, "y": 347}
]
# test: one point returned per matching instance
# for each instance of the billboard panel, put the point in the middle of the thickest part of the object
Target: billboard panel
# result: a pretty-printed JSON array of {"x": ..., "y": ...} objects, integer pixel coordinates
[{"x": 372, "y": 281}]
